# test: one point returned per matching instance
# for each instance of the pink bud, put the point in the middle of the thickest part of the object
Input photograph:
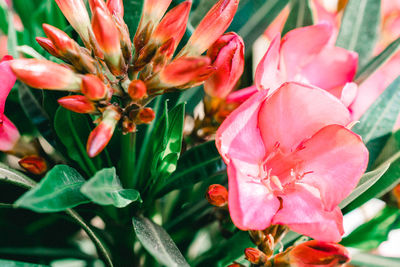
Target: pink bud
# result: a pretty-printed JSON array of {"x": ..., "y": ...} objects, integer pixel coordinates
[
  {"x": 137, "y": 89},
  {"x": 255, "y": 256},
  {"x": 217, "y": 195},
  {"x": 216, "y": 21},
  {"x": 101, "y": 135},
  {"x": 76, "y": 13},
  {"x": 185, "y": 70},
  {"x": 116, "y": 7},
  {"x": 97, "y": 4},
  {"x": 93, "y": 88},
  {"x": 63, "y": 43},
  {"x": 77, "y": 103},
  {"x": 33, "y": 164},
  {"x": 47, "y": 45},
  {"x": 227, "y": 54},
  {"x": 45, "y": 74}
]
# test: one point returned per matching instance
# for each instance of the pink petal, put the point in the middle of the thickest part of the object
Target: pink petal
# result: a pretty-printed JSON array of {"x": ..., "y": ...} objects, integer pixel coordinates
[
  {"x": 303, "y": 212},
  {"x": 9, "y": 134},
  {"x": 239, "y": 139},
  {"x": 7, "y": 80},
  {"x": 251, "y": 204},
  {"x": 299, "y": 46},
  {"x": 296, "y": 112},
  {"x": 241, "y": 95},
  {"x": 267, "y": 74},
  {"x": 349, "y": 93},
  {"x": 333, "y": 67},
  {"x": 337, "y": 158}
]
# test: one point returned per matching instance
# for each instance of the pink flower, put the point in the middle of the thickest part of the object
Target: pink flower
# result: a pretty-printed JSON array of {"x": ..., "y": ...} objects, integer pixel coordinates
[
  {"x": 291, "y": 161},
  {"x": 9, "y": 134}
]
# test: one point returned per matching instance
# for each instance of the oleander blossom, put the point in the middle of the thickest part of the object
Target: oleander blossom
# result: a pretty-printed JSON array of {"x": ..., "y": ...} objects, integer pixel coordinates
[{"x": 291, "y": 161}]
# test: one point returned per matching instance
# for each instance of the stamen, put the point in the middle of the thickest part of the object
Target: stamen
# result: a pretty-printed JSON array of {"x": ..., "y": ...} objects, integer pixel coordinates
[{"x": 276, "y": 181}]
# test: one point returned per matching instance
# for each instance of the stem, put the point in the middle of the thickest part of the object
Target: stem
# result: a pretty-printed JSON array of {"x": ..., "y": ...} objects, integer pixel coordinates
[
  {"x": 128, "y": 160},
  {"x": 91, "y": 234}
]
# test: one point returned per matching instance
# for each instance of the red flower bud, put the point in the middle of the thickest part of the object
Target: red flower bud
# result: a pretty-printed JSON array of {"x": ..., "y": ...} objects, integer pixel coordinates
[
  {"x": 227, "y": 54},
  {"x": 77, "y": 103},
  {"x": 255, "y": 256},
  {"x": 137, "y": 89},
  {"x": 116, "y": 7},
  {"x": 211, "y": 27},
  {"x": 217, "y": 195},
  {"x": 318, "y": 253},
  {"x": 173, "y": 24},
  {"x": 108, "y": 39},
  {"x": 76, "y": 13},
  {"x": 97, "y": 3},
  {"x": 101, "y": 135},
  {"x": 146, "y": 115},
  {"x": 33, "y": 164},
  {"x": 63, "y": 43},
  {"x": 93, "y": 88},
  {"x": 47, "y": 45},
  {"x": 45, "y": 74},
  {"x": 185, "y": 70},
  {"x": 396, "y": 193}
]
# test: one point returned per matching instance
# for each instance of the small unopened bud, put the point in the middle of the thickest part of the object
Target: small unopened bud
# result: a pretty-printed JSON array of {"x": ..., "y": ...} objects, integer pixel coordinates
[
  {"x": 396, "y": 193},
  {"x": 137, "y": 90},
  {"x": 211, "y": 27},
  {"x": 77, "y": 103},
  {"x": 97, "y": 4},
  {"x": 77, "y": 15},
  {"x": 217, "y": 195},
  {"x": 227, "y": 55},
  {"x": 63, "y": 43},
  {"x": 235, "y": 264},
  {"x": 255, "y": 256},
  {"x": 146, "y": 115},
  {"x": 48, "y": 45},
  {"x": 101, "y": 135},
  {"x": 108, "y": 39},
  {"x": 45, "y": 74},
  {"x": 116, "y": 7},
  {"x": 33, "y": 164},
  {"x": 128, "y": 126},
  {"x": 93, "y": 88}
]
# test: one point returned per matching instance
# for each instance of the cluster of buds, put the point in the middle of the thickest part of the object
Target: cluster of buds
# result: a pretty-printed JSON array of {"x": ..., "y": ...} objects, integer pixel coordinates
[{"x": 114, "y": 84}]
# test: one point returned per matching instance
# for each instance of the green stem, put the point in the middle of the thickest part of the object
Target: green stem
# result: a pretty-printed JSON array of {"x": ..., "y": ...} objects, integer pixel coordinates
[{"x": 128, "y": 160}]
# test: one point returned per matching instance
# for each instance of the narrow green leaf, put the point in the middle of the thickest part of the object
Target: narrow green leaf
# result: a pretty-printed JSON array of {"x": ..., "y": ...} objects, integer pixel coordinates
[
  {"x": 15, "y": 177},
  {"x": 370, "y": 260},
  {"x": 11, "y": 263},
  {"x": 360, "y": 28},
  {"x": 378, "y": 121},
  {"x": 104, "y": 188},
  {"x": 133, "y": 11},
  {"x": 371, "y": 234},
  {"x": 158, "y": 243},
  {"x": 367, "y": 180},
  {"x": 12, "y": 36},
  {"x": 57, "y": 191},
  {"x": 377, "y": 61},
  {"x": 3, "y": 18},
  {"x": 300, "y": 15},
  {"x": 197, "y": 164},
  {"x": 390, "y": 151}
]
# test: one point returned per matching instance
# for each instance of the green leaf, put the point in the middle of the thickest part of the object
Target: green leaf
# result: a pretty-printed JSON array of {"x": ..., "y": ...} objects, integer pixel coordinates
[
  {"x": 300, "y": 15},
  {"x": 377, "y": 61},
  {"x": 158, "y": 243},
  {"x": 133, "y": 11},
  {"x": 73, "y": 130},
  {"x": 197, "y": 164},
  {"x": 104, "y": 188},
  {"x": 366, "y": 259},
  {"x": 390, "y": 151},
  {"x": 378, "y": 121},
  {"x": 12, "y": 36},
  {"x": 360, "y": 28},
  {"x": 371, "y": 234},
  {"x": 366, "y": 181},
  {"x": 15, "y": 177},
  {"x": 57, "y": 191},
  {"x": 11, "y": 263}
]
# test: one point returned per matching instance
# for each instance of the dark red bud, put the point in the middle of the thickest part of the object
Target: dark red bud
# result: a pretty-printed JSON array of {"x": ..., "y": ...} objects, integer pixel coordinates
[{"x": 217, "y": 195}]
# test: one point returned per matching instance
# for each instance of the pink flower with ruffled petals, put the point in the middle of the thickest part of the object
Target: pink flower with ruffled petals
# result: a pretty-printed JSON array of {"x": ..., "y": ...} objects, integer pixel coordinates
[
  {"x": 291, "y": 161},
  {"x": 9, "y": 134}
]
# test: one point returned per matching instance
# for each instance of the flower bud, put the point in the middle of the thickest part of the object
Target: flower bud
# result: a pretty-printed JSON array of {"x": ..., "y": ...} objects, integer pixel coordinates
[
  {"x": 146, "y": 115},
  {"x": 101, "y": 135},
  {"x": 76, "y": 13},
  {"x": 93, "y": 88},
  {"x": 77, "y": 103},
  {"x": 137, "y": 90},
  {"x": 186, "y": 70},
  {"x": 97, "y": 4},
  {"x": 396, "y": 193},
  {"x": 227, "y": 55},
  {"x": 255, "y": 256},
  {"x": 211, "y": 27},
  {"x": 108, "y": 39},
  {"x": 45, "y": 74},
  {"x": 33, "y": 164},
  {"x": 47, "y": 45},
  {"x": 116, "y": 7},
  {"x": 217, "y": 195},
  {"x": 63, "y": 43}
]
